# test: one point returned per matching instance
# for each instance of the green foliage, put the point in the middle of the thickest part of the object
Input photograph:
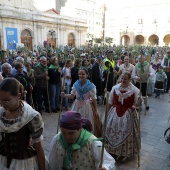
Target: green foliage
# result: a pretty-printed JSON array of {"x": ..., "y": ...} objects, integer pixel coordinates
[
  {"x": 97, "y": 40},
  {"x": 108, "y": 40}
]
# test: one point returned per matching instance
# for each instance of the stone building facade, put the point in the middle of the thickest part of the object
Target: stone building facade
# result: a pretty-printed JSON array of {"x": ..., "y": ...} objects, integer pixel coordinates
[
  {"x": 90, "y": 10},
  {"x": 22, "y": 23},
  {"x": 135, "y": 22}
]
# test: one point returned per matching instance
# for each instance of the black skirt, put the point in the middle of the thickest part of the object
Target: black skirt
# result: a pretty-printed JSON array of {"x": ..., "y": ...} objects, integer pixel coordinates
[{"x": 159, "y": 85}]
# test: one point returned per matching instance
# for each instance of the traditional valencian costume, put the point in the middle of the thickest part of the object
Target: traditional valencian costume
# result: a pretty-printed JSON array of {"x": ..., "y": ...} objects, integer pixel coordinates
[
  {"x": 83, "y": 103},
  {"x": 17, "y": 137},
  {"x": 83, "y": 154},
  {"x": 122, "y": 125},
  {"x": 143, "y": 71}
]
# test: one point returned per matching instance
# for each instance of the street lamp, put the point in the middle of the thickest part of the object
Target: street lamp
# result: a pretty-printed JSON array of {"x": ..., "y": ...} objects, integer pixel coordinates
[{"x": 52, "y": 32}]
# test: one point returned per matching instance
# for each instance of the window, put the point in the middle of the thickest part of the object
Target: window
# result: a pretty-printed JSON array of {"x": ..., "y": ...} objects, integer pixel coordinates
[{"x": 140, "y": 21}]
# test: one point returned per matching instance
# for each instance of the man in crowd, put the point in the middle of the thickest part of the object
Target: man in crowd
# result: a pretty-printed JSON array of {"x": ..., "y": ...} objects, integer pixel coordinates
[
  {"x": 41, "y": 85},
  {"x": 141, "y": 72},
  {"x": 97, "y": 76},
  {"x": 166, "y": 65},
  {"x": 6, "y": 70}
]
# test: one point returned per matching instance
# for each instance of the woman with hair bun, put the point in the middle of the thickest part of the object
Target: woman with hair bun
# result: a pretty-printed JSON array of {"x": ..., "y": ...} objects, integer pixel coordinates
[
  {"x": 21, "y": 130},
  {"x": 85, "y": 103},
  {"x": 122, "y": 131}
]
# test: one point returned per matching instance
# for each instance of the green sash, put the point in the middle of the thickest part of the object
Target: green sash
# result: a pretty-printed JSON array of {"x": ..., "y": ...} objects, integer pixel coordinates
[{"x": 81, "y": 141}]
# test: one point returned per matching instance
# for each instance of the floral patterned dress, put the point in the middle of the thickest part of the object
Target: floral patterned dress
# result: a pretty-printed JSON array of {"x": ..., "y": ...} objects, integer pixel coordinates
[{"x": 122, "y": 130}]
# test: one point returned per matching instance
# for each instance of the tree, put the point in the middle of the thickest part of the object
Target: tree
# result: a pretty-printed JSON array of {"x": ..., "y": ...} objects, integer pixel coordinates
[
  {"x": 98, "y": 40},
  {"x": 109, "y": 40}
]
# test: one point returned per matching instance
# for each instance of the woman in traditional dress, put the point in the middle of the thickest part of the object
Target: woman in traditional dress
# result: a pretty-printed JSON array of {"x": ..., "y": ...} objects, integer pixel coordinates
[
  {"x": 122, "y": 130},
  {"x": 21, "y": 130},
  {"x": 156, "y": 62},
  {"x": 75, "y": 148},
  {"x": 85, "y": 102}
]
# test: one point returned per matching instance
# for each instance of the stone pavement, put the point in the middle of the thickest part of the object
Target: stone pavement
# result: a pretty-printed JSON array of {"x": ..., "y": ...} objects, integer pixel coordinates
[{"x": 155, "y": 151}]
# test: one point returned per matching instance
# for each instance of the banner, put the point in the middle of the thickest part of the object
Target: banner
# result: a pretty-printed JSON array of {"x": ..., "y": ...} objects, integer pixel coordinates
[{"x": 11, "y": 38}]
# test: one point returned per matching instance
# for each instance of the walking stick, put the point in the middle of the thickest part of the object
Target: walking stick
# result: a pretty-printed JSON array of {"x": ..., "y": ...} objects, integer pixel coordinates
[
  {"x": 146, "y": 97},
  {"x": 104, "y": 132},
  {"x": 61, "y": 101},
  {"x": 48, "y": 98},
  {"x": 32, "y": 103},
  {"x": 105, "y": 90},
  {"x": 139, "y": 112}
]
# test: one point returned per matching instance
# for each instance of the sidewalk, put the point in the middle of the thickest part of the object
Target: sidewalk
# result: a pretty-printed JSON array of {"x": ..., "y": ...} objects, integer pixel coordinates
[{"x": 155, "y": 151}]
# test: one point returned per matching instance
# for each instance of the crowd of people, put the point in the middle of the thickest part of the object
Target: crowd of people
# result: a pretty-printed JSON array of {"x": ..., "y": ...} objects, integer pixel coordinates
[{"x": 49, "y": 82}]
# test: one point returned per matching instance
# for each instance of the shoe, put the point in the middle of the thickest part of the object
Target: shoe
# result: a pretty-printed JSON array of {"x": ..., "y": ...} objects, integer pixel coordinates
[
  {"x": 147, "y": 108},
  {"x": 156, "y": 96}
]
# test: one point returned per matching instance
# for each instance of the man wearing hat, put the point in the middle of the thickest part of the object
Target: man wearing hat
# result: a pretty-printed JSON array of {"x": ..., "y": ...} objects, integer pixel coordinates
[
  {"x": 166, "y": 65},
  {"x": 75, "y": 147}
]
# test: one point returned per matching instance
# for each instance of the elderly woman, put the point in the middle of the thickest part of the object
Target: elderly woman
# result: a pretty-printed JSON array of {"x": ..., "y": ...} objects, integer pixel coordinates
[
  {"x": 122, "y": 131},
  {"x": 6, "y": 70}
]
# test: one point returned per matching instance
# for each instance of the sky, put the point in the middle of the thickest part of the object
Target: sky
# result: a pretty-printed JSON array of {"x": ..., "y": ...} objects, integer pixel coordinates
[{"x": 43, "y": 5}]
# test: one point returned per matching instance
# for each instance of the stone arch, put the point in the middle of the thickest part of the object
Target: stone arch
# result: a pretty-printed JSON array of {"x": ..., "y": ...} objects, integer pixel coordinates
[
  {"x": 167, "y": 39},
  {"x": 139, "y": 39},
  {"x": 71, "y": 39},
  {"x": 26, "y": 38},
  {"x": 153, "y": 39},
  {"x": 125, "y": 40},
  {"x": 52, "y": 38}
]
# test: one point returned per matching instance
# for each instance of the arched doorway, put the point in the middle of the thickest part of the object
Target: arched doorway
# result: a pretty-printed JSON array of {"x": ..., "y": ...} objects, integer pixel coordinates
[
  {"x": 139, "y": 39},
  {"x": 26, "y": 38},
  {"x": 51, "y": 37},
  {"x": 125, "y": 40},
  {"x": 154, "y": 40},
  {"x": 167, "y": 39},
  {"x": 71, "y": 39}
]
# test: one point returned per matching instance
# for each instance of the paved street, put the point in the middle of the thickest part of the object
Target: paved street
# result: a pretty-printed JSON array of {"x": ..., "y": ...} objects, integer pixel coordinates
[{"x": 155, "y": 151}]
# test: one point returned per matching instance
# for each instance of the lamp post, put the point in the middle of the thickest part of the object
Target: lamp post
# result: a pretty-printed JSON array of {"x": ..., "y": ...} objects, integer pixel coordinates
[{"x": 52, "y": 32}]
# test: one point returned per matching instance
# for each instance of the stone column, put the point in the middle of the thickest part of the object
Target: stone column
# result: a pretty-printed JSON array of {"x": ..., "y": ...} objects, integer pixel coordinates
[{"x": 39, "y": 35}]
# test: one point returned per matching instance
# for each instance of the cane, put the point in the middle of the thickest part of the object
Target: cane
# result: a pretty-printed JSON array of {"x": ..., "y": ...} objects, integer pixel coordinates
[
  {"x": 139, "y": 112},
  {"x": 61, "y": 101},
  {"x": 104, "y": 132},
  {"x": 105, "y": 90},
  {"x": 48, "y": 98},
  {"x": 32, "y": 103},
  {"x": 138, "y": 140},
  {"x": 146, "y": 97}
]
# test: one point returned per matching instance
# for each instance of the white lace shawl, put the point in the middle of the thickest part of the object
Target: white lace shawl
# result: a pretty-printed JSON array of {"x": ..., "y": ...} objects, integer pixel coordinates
[
  {"x": 28, "y": 114},
  {"x": 131, "y": 89}
]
